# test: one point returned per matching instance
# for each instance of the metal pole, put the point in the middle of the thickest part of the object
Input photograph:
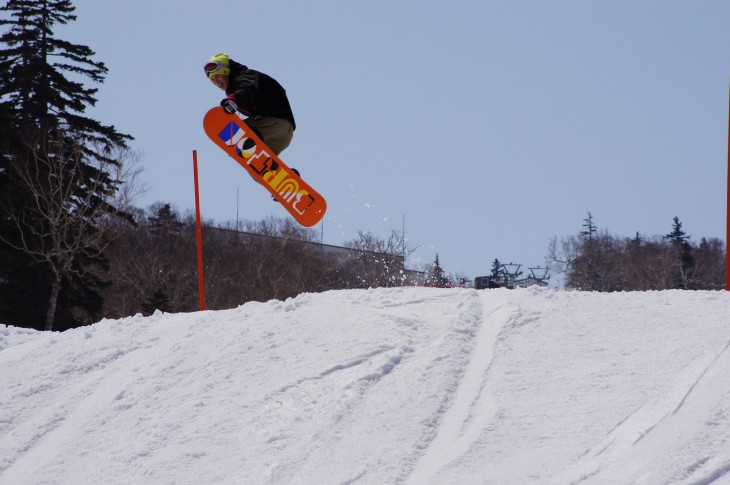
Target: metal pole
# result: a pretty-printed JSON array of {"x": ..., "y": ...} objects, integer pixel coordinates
[{"x": 727, "y": 211}]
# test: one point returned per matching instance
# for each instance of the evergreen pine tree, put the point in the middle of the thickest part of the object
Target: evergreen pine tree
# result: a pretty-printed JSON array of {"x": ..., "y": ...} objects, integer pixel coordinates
[
  {"x": 165, "y": 221},
  {"x": 585, "y": 268},
  {"x": 35, "y": 89},
  {"x": 683, "y": 255},
  {"x": 51, "y": 150},
  {"x": 437, "y": 276},
  {"x": 497, "y": 271},
  {"x": 590, "y": 228}
]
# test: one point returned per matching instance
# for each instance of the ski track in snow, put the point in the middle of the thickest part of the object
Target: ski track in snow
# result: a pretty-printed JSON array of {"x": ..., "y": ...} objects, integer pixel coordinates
[
  {"x": 473, "y": 406},
  {"x": 669, "y": 422},
  {"x": 404, "y": 386}
]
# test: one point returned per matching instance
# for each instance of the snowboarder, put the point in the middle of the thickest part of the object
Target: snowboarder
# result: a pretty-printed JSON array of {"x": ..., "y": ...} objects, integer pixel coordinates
[{"x": 258, "y": 96}]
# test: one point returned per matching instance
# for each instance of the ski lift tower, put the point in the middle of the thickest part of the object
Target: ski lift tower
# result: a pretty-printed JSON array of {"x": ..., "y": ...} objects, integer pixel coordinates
[
  {"x": 511, "y": 272},
  {"x": 541, "y": 275}
]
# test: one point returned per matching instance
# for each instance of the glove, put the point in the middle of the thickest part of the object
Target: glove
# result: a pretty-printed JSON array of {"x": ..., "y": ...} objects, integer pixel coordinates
[{"x": 229, "y": 104}]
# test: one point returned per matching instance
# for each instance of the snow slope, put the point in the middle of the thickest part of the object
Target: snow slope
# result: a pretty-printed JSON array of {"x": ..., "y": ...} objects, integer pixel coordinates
[{"x": 384, "y": 386}]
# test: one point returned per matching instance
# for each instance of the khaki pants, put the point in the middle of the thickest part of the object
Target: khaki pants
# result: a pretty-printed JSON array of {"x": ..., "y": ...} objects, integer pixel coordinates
[{"x": 275, "y": 132}]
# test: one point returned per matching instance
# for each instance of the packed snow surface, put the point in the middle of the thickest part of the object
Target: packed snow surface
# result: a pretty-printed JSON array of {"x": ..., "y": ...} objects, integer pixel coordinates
[{"x": 385, "y": 386}]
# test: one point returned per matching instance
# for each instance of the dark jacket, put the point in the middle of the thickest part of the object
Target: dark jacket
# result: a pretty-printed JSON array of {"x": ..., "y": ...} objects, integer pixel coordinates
[{"x": 258, "y": 94}]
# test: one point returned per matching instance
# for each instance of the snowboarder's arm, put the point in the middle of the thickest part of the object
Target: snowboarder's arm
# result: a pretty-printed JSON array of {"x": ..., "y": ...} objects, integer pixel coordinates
[{"x": 244, "y": 89}]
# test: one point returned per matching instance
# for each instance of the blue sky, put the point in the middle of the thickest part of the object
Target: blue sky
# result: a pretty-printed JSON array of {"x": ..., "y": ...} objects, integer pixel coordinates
[{"x": 490, "y": 125}]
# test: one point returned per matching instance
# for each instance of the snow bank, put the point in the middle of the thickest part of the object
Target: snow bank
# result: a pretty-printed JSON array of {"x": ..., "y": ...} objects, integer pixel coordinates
[{"x": 408, "y": 385}]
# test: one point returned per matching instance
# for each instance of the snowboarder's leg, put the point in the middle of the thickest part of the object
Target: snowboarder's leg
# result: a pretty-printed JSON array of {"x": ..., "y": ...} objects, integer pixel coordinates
[{"x": 276, "y": 133}]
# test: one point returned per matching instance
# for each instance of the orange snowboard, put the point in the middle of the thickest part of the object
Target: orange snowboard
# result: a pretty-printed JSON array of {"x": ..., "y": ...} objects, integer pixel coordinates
[{"x": 240, "y": 142}]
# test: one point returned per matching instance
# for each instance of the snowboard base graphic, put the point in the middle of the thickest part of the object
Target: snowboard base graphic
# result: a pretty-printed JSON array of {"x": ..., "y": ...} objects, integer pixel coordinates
[{"x": 238, "y": 140}]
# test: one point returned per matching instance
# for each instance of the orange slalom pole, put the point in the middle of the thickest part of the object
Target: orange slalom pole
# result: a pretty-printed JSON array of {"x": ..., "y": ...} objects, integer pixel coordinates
[
  {"x": 201, "y": 283},
  {"x": 727, "y": 235}
]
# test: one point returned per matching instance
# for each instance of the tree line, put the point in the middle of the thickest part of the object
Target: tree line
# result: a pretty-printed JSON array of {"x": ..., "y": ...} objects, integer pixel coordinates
[
  {"x": 595, "y": 260},
  {"x": 152, "y": 264}
]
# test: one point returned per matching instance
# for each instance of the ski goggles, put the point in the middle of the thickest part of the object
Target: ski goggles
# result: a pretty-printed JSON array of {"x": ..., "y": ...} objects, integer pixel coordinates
[{"x": 216, "y": 68}]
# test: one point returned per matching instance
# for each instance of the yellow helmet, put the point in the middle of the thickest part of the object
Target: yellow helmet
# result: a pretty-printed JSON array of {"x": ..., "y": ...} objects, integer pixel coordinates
[{"x": 218, "y": 64}]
